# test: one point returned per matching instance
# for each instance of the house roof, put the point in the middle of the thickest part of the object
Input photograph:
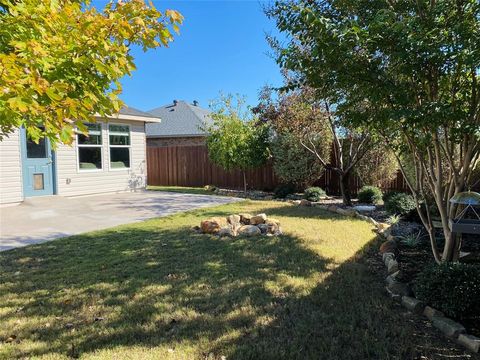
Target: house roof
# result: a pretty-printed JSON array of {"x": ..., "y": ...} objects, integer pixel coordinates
[
  {"x": 130, "y": 113},
  {"x": 178, "y": 119}
]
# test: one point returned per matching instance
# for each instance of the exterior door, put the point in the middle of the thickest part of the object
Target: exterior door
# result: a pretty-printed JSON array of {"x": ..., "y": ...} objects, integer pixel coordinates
[{"x": 37, "y": 166}]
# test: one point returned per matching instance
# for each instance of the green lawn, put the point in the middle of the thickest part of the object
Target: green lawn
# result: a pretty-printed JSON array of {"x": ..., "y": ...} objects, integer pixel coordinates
[
  {"x": 156, "y": 290},
  {"x": 181, "y": 189}
]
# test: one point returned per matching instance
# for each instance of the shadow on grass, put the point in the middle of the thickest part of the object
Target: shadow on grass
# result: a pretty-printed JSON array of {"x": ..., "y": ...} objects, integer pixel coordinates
[{"x": 245, "y": 298}]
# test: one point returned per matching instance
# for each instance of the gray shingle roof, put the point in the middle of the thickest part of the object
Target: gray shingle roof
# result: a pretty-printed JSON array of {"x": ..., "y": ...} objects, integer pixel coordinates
[
  {"x": 128, "y": 110},
  {"x": 182, "y": 119}
]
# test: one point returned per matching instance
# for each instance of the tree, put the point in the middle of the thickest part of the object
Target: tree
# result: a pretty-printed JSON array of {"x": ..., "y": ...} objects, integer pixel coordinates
[
  {"x": 407, "y": 70},
  {"x": 292, "y": 163},
  {"x": 378, "y": 166},
  {"x": 61, "y": 61},
  {"x": 316, "y": 126},
  {"x": 236, "y": 140}
]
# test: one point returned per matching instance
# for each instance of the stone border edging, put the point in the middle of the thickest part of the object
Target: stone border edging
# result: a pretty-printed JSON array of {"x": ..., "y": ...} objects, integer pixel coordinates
[{"x": 399, "y": 291}]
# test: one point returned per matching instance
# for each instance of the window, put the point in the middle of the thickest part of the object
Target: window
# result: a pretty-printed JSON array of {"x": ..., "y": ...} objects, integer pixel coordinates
[
  {"x": 36, "y": 151},
  {"x": 119, "y": 136},
  {"x": 90, "y": 148}
]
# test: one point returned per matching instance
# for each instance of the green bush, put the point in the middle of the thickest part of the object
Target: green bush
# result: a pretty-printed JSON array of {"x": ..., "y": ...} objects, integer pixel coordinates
[
  {"x": 293, "y": 164},
  {"x": 389, "y": 194},
  {"x": 314, "y": 194},
  {"x": 400, "y": 204},
  {"x": 283, "y": 190},
  {"x": 370, "y": 195},
  {"x": 453, "y": 288}
]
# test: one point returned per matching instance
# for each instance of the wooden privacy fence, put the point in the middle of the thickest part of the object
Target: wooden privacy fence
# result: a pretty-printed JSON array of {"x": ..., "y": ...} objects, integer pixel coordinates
[{"x": 190, "y": 166}]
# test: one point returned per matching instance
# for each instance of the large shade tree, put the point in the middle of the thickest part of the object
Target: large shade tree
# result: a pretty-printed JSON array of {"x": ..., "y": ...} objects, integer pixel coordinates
[
  {"x": 409, "y": 70},
  {"x": 61, "y": 61}
]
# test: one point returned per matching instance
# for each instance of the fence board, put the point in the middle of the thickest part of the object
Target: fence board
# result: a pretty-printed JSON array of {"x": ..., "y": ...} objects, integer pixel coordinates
[{"x": 190, "y": 166}]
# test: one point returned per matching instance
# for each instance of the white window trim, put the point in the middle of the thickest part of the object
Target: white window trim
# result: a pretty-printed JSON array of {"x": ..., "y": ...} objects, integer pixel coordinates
[
  {"x": 119, "y": 146},
  {"x": 101, "y": 146}
]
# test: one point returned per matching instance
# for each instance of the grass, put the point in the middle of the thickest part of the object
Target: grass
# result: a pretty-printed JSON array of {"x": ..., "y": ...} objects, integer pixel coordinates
[
  {"x": 181, "y": 189},
  {"x": 156, "y": 290}
]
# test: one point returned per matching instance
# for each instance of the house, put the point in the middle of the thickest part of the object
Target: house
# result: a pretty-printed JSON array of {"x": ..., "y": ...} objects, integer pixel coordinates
[
  {"x": 110, "y": 159},
  {"x": 181, "y": 125}
]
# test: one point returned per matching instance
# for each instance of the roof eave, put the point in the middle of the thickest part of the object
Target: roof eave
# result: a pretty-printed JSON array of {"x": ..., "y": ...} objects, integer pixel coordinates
[
  {"x": 150, "y": 136},
  {"x": 147, "y": 119}
]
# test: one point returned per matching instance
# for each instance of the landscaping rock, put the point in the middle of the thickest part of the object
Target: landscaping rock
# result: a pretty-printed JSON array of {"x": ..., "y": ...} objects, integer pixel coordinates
[
  {"x": 394, "y": 296},
  {"x": 397, "y": 287},
  {"x": 387, "y": 260},
  {"x": 305, "y": 202},
  {"x": 226, "y": 231},
  {"x": 365, "y": 208},
  {"x": 392, "y": 266},
  {"x": 273, "y": 227},
  {"x": 272, "y": 220},
  {"x": 382, "y": 226},
  {"x": 430, "y": 312},
  {"x": 413, "y": 304},
  {"x": 233, "y": 219},
  {"x": 212, "y": 226},
  {"x": 372, "y": 221},
  {"x": 258, "y": 219},
  {"x": 245, "y": 219},
  {"x": 386, "y": 256},
  {"x": 296, "y": 202},
  {"x": 389, "y": 246},
  {"x": 249, "y": 230},
  {"x": 263, "y": 228},
  {"x": 449, "y": 327},
  {"x": 363, "y": 217},
  {"x": 342, "y": 211},
  {"x": 351, "y": 212},
  {"x": 471, "y": 342},
  {"x": 332, "y": 208}
]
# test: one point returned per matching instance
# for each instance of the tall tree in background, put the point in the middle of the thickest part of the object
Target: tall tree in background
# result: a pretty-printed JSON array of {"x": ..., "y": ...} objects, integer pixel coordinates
[
  {"x": 61, "y": 61},
  {"x": 236, "y": 140},
  {"x": 407, "y": 70},
  {"x": 378, "y": 167}
]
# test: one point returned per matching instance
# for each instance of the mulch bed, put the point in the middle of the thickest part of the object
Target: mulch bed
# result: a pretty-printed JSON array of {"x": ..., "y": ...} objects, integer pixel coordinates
[{"x": 412, "y": 259}]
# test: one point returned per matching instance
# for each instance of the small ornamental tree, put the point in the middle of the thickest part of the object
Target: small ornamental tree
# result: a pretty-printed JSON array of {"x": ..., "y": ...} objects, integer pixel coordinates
[
  {"x": 61, "y": 61},
  {"x": 409, "y": 71},
  {"x": 319, "y": 130},
  {"x": 236, "y": 140}
]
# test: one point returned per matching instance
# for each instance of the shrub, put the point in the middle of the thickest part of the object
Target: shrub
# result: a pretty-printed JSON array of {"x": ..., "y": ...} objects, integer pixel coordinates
[
  {"x": 370, "y": 195},
  {"x": 293, "y": 163},
  {"x": 314, "y": 194},
  {"x": 412, "y": 240},
  {"x": 394, "y": 219},
  {"x": 389, "y": 194},
  {"x": 453, "y": 288},
  {"x": 283, "y": 190},
  {"x": 400, "y": 204}
]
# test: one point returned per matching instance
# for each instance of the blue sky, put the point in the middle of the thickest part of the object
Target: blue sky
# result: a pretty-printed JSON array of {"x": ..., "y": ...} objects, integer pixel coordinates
[{"x": 221, "y": 47}]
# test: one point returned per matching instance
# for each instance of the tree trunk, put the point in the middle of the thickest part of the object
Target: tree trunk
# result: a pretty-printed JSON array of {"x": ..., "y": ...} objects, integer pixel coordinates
[{"x": 345, "y": 188}]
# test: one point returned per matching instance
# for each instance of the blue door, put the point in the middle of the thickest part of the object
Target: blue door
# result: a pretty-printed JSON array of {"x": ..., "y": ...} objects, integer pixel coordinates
[{"x": 37, "y": 166}]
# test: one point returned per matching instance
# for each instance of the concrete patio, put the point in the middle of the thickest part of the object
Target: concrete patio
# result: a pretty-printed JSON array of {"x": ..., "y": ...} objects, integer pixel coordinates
[{"x": 40, "y": 219}]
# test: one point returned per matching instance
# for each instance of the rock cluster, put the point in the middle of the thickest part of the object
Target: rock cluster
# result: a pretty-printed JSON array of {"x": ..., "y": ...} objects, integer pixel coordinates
[{"x": 241, "y": 224}]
